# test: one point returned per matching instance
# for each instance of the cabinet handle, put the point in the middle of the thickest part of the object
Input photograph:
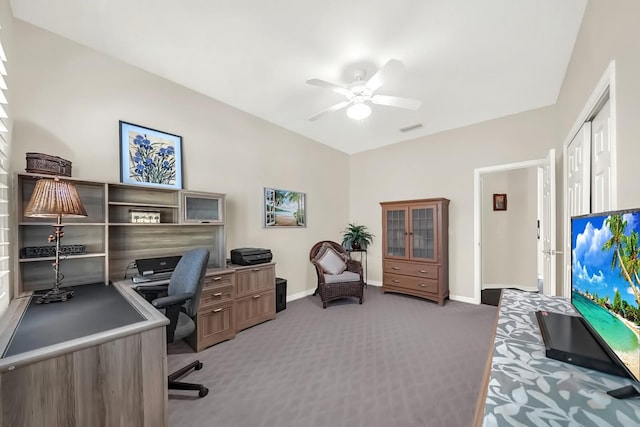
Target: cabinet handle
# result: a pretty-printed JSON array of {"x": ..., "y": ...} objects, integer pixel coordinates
[
  {"x": 256, "y": 296},
  {"x": 255, "y": 269},
  {"x": 422, "y": 271},
  {"x": 217, "y": 310},
  {"x": 217, "y": 278},
  {"x": 217, "y": 294},
  {"x": 396, "y": 268},
  {"x": 422, "y": 285},
  {"x": 395, "y": 281}
]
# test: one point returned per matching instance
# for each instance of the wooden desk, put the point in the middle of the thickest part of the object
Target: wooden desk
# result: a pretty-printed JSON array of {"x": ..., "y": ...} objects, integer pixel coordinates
[
  {"x": 113, "y": 377},
  {"x": 523, "y": 387}
]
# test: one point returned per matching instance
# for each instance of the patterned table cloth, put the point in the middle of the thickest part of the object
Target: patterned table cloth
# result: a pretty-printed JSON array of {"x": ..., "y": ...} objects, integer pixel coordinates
[{"x": 528, "y": 389}]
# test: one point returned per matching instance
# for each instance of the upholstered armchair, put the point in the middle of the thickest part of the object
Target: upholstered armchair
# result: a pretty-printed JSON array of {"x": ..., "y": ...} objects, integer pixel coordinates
[{"x": 338, "y": 275}]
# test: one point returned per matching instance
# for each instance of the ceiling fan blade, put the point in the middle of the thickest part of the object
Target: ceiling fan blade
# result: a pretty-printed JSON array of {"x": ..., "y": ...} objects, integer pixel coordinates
[
  {"x": 329, "y": 110},
  {"x": 326, "y": 85},
  {"x": 392, "y": 67},
  {"x": 396, "y": 101}
]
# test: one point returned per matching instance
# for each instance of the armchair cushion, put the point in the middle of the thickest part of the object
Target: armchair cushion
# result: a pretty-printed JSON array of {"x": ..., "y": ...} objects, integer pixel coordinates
[
  {"x": 329, "y": 261},
  {"x": 344, "y": 277}
]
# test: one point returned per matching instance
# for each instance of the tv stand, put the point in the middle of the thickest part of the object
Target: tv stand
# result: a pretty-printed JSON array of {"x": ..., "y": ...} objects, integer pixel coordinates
[{"x": 519, "y": 375}]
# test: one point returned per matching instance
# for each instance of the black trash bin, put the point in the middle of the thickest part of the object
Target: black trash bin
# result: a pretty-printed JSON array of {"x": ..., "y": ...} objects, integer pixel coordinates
[{"x": 281, "y": 294}]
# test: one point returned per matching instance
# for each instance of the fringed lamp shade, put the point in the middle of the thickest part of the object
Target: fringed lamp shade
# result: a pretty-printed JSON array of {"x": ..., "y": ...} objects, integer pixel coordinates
[{"x": 52, "y": 197}]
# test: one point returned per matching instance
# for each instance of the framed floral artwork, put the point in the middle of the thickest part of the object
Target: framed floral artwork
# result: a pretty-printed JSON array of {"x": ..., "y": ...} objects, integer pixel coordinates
[{"x": 150, "y": 157}]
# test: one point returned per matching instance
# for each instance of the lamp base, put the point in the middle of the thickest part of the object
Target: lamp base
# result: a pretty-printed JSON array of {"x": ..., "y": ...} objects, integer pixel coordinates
[{"x": 54, "y": 295}]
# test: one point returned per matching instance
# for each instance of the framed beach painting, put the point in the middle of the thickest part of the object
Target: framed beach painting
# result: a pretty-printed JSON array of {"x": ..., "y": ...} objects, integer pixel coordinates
[
  {"x": 150, "y": 157},
  {"x": 284, "y": 208}
]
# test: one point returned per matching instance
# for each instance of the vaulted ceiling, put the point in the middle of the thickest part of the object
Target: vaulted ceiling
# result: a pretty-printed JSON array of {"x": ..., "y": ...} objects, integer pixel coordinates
[{"x": 467, "y": 61}]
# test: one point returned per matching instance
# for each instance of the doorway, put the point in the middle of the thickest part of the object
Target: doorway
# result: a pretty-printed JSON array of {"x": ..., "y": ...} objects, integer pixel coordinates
[{"x": 514, "y": 244}]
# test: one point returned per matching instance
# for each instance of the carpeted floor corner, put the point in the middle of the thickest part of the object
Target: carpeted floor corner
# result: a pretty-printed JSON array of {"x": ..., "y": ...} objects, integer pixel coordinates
[{"x": 395, "y": 360}]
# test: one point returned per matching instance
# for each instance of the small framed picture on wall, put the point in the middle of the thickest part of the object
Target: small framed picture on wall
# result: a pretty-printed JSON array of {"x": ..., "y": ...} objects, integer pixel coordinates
[{"x": 499, "y": 202}]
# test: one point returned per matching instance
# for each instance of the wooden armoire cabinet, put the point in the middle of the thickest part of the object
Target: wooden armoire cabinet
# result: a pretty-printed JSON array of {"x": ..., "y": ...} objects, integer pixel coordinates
[{"x": 415, "y": 248}]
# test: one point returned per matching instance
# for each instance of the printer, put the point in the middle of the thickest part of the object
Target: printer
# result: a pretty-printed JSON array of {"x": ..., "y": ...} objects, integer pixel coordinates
[{"x": 250, "y": 256}]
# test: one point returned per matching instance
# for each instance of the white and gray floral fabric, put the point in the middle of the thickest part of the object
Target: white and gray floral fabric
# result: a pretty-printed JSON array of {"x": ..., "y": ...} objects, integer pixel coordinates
[{"x": 528, "y": 389}]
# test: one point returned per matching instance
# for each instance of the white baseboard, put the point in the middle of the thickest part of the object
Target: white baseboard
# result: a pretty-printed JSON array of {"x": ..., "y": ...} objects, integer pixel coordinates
[
  {"x": 308, "y": 292},
  {"x": 300, "y": 295}
]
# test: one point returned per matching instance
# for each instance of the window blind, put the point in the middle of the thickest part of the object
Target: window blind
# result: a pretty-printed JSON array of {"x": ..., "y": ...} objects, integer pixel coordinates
[{"x": 5, "y": 258}]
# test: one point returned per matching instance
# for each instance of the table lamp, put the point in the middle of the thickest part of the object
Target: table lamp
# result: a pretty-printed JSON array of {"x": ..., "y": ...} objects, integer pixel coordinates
[{"x": 52, "y": 198}]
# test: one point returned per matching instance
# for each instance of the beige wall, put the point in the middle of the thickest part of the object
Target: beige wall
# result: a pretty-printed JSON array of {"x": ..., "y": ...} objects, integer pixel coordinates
[
  {"x": 509, "y": 238},
  {"x": 609, "y": 31},
  {"x": 442, "y": 165},
  {"x": 69, "y": 99}
]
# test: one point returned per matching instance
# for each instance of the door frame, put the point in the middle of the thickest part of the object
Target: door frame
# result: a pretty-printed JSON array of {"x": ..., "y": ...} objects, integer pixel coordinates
[
  {"x": 477, "y": 215},
  {"x": 606, "y": 86}
]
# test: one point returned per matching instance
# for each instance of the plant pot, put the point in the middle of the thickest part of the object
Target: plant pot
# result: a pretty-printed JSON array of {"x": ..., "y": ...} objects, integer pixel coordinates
[{"x": 355, "y": 246}]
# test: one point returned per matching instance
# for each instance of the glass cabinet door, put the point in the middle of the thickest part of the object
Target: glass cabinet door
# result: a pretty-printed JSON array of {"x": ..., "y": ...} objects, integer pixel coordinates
[
  {"x": 396, "y": 238},
  {"x": 423, "y": 232}
]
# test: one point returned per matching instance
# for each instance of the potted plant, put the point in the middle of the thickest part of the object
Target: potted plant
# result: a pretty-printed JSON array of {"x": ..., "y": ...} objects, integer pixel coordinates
[{"x": 356, "y": 237}]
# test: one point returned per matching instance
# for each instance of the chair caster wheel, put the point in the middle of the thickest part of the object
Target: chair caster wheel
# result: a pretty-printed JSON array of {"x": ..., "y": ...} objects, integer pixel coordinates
[
  {"x": 203, "y": 392},
  {"x": 198, "y": 367}
]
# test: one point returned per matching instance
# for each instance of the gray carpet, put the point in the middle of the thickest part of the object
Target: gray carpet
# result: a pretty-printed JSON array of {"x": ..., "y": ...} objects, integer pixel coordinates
[{"x": 393, "y": 361}]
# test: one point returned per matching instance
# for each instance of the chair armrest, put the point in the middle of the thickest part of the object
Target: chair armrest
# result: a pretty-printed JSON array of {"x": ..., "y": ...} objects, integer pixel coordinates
[
  {"x": 163, "y": 302},
  {"x": 151, "y": 292},
  {"x": 319, "y": 273}
]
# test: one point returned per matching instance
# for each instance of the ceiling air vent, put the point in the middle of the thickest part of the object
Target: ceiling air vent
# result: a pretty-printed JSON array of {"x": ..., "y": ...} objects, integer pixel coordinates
[{"x": 410, "y": 128}]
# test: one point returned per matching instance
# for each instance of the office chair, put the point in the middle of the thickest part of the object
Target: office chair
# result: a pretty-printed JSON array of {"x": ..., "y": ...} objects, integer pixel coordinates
[{"x": 180, "y": 307}]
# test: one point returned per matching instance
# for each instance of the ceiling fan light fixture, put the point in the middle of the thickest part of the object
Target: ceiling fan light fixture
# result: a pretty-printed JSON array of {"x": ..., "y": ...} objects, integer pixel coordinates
[{"x": 359, "y": 111}]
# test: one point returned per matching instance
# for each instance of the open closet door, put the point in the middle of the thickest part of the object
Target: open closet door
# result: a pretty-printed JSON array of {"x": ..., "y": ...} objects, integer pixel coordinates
[{"x": 549, "y": 223}]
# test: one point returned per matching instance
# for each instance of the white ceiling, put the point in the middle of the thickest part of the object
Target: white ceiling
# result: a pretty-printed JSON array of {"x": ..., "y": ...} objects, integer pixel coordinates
[{"x": 467, "y": 60}]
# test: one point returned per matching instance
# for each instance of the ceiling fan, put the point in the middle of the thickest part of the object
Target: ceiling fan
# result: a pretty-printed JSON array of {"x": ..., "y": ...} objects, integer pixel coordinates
[{"x": 360, "y": 93}]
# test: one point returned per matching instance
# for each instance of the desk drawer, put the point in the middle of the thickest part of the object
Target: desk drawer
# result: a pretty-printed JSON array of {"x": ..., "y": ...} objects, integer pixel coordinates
[
  {"x": 256, "y": 279},
  {"x": 411, "y": 269},
  {"x": 218, "y": 280},
  {"x": 216, "y": 295},
  {"x": 410, "y": 283}
]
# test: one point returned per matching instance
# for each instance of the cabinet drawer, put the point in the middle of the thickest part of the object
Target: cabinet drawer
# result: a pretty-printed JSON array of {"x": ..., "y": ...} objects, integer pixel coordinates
[
  {"x": 215, "y": 325},
  {"x": 410, "y": 283},
  {"x": 255, "y": 309},
  {"x": 411, "y": 269},
  {"x": 215, "y": 295},
  {"x": 254, "y": 280},
  {"x": 217, "y": 280}
]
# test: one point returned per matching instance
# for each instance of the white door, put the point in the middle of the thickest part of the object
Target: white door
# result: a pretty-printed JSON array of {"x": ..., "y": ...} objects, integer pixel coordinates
[
  {"x": 601, "y": 164},
  {"x": 549, "y": 223},
  {"x": 578, "y": 164}
]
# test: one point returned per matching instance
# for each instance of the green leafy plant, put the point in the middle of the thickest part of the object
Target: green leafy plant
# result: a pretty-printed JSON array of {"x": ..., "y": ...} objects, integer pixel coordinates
[{"x": 356, "y": 237}]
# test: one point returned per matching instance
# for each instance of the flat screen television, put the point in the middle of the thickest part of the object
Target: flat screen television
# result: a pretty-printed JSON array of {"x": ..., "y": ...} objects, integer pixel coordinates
[{"x": 605, "y": 290}]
